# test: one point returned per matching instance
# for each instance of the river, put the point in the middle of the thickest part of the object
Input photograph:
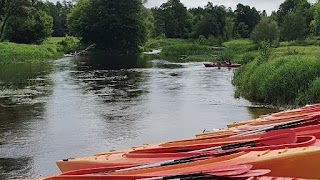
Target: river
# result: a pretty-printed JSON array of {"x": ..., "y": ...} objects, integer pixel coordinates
[{"x": 81, "y": 106}]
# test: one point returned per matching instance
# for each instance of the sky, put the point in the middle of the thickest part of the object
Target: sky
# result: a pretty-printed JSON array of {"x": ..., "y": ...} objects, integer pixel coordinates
[{"x": 260, "y": 5}]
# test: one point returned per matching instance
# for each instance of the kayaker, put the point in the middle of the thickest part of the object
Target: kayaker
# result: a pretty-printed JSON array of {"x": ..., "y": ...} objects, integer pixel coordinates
[{"x": 229, "y": 62}]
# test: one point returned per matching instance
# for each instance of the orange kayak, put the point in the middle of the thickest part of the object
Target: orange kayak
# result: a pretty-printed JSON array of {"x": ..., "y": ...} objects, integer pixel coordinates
[
  {"x": 258, "y": 124},
  {"x": 302, "y": 162},
  {"x": 100, "y": 159},
  {"x": 153, "y": 155},
  {"x": 230, "y": 172},
  {"x": 294, "y": 113}
]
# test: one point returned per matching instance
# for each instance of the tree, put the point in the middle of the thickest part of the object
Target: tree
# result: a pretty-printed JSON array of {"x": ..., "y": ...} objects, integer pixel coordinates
[
  {"x": 300, "y": 7},
  {"x": 293, "y": 27},
  {"x": 246, "y": 20},
  {"x": 9, "y": 8},
  {"x": 266, "y": 30},
  {"x": 212, "y": 22},
  {"x": 173, "y": 19},
  {"x": 33, "y": 28},
  {"x": 315, "y": 24},
  {"x": 148, "y": 20},
  {"x": 113, "y": 25},
  {"x": 77, "y": 19}
]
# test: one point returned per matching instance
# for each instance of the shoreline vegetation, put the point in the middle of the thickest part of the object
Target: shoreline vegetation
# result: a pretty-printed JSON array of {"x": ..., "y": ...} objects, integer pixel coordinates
[
  {"x": 50, "y": 49},
  {"x": 279, "y": 53},
  {"x": 286, "y": 75}
]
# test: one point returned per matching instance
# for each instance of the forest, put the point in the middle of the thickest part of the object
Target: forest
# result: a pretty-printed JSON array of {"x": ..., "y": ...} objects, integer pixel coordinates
[{"x": 119, "y": 26}]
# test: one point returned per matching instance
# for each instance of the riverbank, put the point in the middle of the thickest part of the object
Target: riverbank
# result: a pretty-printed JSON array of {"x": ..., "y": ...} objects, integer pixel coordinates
[
  {"x": 288, "y": 75},
  {"x": 182, "y": 50},
  {"x": 52, "y": 48}
]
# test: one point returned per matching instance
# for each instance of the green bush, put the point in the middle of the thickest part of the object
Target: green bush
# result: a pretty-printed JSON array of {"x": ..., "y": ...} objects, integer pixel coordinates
[
  {"x": 281, "y": 81},
  {"x": 69, "y": 44},
  {"x": 247, "y": 57},
  {"x": 49, "y": 49},
  {"x": 185, "y": 49}
]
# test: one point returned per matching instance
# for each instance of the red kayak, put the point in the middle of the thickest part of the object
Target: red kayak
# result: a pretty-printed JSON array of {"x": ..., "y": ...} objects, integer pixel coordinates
[
  {"x": 230, "y": 172},
  {"x": 221, "y": 65}
]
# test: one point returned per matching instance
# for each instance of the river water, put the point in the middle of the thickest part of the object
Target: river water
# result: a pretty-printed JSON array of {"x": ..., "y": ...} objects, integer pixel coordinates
[{"x": 77, "y": 107}]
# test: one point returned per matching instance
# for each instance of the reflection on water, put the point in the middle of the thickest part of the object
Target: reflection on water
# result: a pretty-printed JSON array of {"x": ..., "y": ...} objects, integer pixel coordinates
[
  {"x": 10, "y": 166},
  {"x": 257, "y": 111},
  {"x": 89, "y": 105}
]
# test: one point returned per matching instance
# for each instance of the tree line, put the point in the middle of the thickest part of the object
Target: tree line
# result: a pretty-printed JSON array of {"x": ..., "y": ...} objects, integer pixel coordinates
[
  {"x": 31, "y": 21},
  {"x": 121, "y": 26}
]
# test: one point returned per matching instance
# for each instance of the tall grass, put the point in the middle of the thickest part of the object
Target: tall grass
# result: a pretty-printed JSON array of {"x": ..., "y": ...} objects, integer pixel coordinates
[
  {"x": 181, "y": 50},
  {"x": 285, "y": 80},
  {"x": 52, "y": 48}
]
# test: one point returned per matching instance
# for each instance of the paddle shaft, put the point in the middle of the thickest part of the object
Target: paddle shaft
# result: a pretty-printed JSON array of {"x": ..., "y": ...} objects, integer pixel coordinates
[
  {"x": 197, "y": 175},
  {"x": 273, "y": 136},
  {"x": 274, "y": 127}
]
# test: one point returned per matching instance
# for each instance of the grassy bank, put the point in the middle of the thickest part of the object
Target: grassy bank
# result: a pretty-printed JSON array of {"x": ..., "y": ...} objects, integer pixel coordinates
[
  {"x": 52, "y": 48},
  {"x": 286, "y": 75},
  {"x": 182, "y": 50}
]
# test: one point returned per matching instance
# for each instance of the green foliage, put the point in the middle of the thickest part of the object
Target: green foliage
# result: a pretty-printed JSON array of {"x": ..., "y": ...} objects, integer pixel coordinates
[
  {"x": 12, "y": 53},
  {"x": 148, "y": 20},
  {"x": 59, "y": 13},
  {"x": 228, "y": 28},
  {"x": 77, "y": 18},
  {"x": 264, "y": 52},
  {"x": 172, "y": 19},
  {"x": 293, "y": 27},
  {"x": 10, "y": 8},
  {"x": 246, "y": 20},
  {"x": 316, "y": 16},
  {"x": 210, "y": 41},
  {"x": 115, "y": 26},
  {"x": 247, "y": 57},
  {"x": 31, "y": 29},
  {"x": 15, "y": 53},
  {"x": 266, "y": 30},
  {"x": 185, "y": 49},
  {"x": 281, "y": 81},
  {"x": 226, "y": 55},
  {"x": 163, "y": 42},
  {"x": 211, "y": 21},
  {"x": 69, "y": 44},
  {"x": 240, "y": 46},
  {"x": 312, "y": 95}
]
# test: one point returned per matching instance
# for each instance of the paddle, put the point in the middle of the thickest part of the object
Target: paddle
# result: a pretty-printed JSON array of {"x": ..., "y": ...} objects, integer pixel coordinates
[
  {"x": 235, "y": 170},
  {"x": 279, "y": 126},
  {"x": 270, "y": 138}
]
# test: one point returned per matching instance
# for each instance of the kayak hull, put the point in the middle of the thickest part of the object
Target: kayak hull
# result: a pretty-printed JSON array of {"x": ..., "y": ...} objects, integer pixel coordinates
[
  {"x": 300, "y": 162},
  {"x": 148, "y": 156}
]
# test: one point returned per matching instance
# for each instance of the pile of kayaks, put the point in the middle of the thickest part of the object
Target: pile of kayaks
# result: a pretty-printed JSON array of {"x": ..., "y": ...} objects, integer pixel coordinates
[{"x": 283, "y": 145}]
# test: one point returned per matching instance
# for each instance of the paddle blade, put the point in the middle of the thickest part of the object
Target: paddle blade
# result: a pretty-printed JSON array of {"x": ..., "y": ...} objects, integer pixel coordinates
[
  {"x": 278, "y": 137},
  {"x": 230, "y": 170},
  {"x": 252, "y": 173}
]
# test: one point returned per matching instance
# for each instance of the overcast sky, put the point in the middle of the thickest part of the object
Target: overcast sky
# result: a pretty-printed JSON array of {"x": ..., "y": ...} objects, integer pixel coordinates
[{"x": 268, "y": 5}]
